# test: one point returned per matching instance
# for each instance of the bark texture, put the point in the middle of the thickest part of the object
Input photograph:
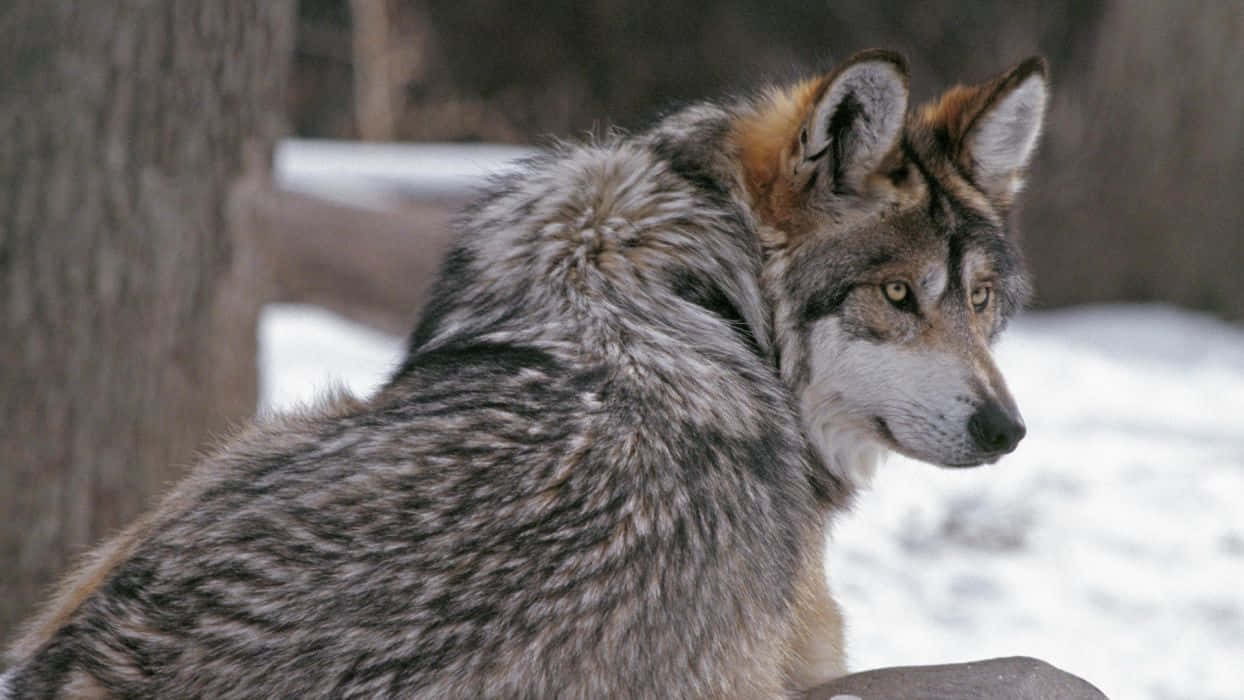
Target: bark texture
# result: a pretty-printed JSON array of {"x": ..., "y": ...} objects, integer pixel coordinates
[{"x": 127, "y": 307}]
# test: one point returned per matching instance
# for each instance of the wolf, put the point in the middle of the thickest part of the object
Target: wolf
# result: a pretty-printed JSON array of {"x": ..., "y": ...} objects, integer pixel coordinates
[{"x": 654, "y": 368}]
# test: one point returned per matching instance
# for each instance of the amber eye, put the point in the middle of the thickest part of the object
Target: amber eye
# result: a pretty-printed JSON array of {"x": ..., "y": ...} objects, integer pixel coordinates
[
  {"x": 980, "y": 297},
  {"x": 896, "y": 292}
]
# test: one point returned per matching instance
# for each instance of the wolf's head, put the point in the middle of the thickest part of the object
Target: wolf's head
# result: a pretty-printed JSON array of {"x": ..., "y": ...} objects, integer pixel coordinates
[{"x": 888, "y": 258}]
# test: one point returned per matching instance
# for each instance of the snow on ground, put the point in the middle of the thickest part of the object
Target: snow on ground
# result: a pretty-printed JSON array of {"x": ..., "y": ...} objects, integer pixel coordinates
[
  {"x": 1109, "y": 544},
  {"x": 305, "y": 352}
]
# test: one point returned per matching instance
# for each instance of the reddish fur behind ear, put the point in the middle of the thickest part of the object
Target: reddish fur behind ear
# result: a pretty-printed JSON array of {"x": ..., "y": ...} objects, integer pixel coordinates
[
  {"x": 768, "y": 136},
  {"x": 955, "y": 113},
  {"x": 767, "y": 140}
]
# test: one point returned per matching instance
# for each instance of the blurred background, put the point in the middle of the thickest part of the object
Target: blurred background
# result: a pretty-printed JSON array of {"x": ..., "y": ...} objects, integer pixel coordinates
[
  {"x": 178, "y": 180},
  {"x": 1136, "y": 195}
]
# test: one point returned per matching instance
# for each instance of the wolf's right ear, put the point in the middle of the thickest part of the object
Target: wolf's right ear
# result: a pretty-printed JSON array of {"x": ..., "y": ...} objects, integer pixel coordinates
[
  {"x": 999, "y": 140},
  {"x": 856, "y": 121}
]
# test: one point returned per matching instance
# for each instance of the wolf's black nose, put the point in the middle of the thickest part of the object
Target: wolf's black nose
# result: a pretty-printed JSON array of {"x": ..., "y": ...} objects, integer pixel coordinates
[{"x": 996, "y": 430}]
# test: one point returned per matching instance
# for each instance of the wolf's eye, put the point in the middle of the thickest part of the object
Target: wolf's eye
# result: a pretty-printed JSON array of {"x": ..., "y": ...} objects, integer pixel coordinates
[
  {"x": 897, "y": 293},
  {"x": 980, "y": 297}
]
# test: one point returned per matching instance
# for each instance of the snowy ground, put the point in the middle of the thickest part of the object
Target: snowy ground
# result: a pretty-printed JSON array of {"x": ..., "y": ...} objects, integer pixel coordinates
[{"x": 1110, "y": 544}]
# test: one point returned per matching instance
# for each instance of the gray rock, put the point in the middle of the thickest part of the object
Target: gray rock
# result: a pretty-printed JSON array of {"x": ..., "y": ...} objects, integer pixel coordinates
[{"x": 1011, "y": 678}]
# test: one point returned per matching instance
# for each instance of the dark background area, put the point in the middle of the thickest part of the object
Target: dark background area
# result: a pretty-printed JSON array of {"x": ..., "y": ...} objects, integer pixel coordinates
[{"x": 1137, "y": 194}]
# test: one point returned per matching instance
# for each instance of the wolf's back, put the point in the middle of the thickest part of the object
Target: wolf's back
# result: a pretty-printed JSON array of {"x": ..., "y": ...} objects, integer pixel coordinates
[{"x": 574, "y": 452}]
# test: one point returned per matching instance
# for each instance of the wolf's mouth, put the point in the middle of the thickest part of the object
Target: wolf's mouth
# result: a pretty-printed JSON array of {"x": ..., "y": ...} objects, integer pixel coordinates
[{"x": 887, "y": 437}]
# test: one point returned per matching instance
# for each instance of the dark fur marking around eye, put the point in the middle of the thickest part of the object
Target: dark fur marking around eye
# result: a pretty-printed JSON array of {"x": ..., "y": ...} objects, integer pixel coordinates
[
  {"x": 830, "y": 298},
  {"x": 824, "y": 303},
  {"x": 908, "y": 302}
]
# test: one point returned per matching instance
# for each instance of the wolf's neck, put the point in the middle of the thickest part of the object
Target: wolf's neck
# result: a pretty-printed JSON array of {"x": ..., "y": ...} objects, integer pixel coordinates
[
  {"x": 724, "y": 273},
  {"x": 847, "y": 453}
]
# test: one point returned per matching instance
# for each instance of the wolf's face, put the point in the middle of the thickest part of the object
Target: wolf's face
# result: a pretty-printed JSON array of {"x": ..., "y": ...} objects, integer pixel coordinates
[
  {"x": 889, "y": 261},
  {"x": 898, "y": 348}
]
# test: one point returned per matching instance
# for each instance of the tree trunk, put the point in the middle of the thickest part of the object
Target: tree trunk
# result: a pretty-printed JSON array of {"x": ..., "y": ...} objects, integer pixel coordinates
[
  {"x": 127, "y": 307},
  {"x": 376, "y": 96}
]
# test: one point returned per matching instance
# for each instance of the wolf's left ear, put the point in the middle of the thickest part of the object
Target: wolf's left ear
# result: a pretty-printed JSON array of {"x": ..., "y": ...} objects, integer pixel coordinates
[
  {"x": 856, "y": 121},
  {"x": 999, "y": 142}
]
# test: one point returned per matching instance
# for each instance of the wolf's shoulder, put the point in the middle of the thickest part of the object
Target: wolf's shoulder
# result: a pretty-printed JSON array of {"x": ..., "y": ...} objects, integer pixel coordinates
[
  {"x": 610, "y": 237},
  {"x": 598, "y": 193}
]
